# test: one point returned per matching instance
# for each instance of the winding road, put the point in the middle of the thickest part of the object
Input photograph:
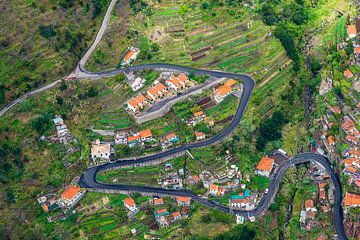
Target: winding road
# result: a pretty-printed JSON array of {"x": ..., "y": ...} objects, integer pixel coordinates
[{"x": 88, "y": 178}]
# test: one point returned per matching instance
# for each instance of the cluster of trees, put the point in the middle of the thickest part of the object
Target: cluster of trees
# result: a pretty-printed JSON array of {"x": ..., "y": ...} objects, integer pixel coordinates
[
  {"x": 140, "y": 6},
  {"x": 288, "y": 17},
  {"x": 270, "y": 129}
]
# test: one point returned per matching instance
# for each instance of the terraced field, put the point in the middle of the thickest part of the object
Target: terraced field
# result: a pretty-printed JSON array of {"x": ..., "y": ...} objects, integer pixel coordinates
[{"x": 199, "y": 39}]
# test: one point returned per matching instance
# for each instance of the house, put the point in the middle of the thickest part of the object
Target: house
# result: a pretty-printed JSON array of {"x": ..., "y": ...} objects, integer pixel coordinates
[
  {"x": 348, "y": 74},
  {"x": 174, "y": 83},
  {"x": 137, "y": 83},
  {"x": 100, "y": 150},
  {"x": 130, "y": 55},
  {"x": 193, "y": 179},
  {"x": 171, "y": 137},
  {"x": 178, "y": 83},
  {"x": 145, "y": 135},
  {"x": 196, "y": 118},
  {"x": 354, "y": 153},
  {"x": 349, "y": 161},
  {"x": 351, "y": 31},
  {"x": 352, "y": 200},
  {"x": 216, "y": 190},
  {"x": 137, "y": 103},
  {"x": 240, "y": 201},
  {"x": 129, "y": 203},
  {"x": 334, "y": 109},
  {"x": 200, "y": 136},
  {"x": 71, "y": 196},
  {"x": 176, "y": 215},
  {"x": 309, "y": 205},
  {"x": 158, "y": 201},
  {"x": 157, "y": 91},
  {"x": 350, "y": 170},
  {"x": 183, "y": 201},
  {"x": 356, "y": 51},
  {"x": 171, "y": 181},
  {"x": 120, "y": 138},
  {"x": 351, "y": 139},
  {"x": 331, "y": 140},
  {"x": 224, "y": 90},
  {"x": 133, "y": 140},
  {"x": 161, "y": 212},
  {"x": 265, "y": 166}
]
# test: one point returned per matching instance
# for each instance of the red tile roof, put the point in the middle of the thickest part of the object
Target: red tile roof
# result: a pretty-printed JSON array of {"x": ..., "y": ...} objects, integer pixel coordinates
[
  {"x": 348, "y": 73},
  {"x": 129, "y": 54},
  {"x": 129, "y": 201},
  {"x": 71, "y": 192},
  {"x": 265, "y": 164},
  {"x": 351, "y": 29},
  {"x": 309, "y": 203},
  {"x": 331, "y": 140},
  {"x": 176, "y": 214},
  {"x": 182, "y": 199},
  {"x": 158, "y": 201},
  {"x": 145, "y": 133},
  {"x": 352, "y": 199}
]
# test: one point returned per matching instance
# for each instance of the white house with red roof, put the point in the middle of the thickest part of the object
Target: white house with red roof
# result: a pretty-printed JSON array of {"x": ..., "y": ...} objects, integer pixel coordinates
[
  {"x": 157, "y": 91},
  {"x": 216, "y": 190},
  {"x": 130, "y": 55},
  {"x": 129, "y": 203},
  {"x": 137, "y": 103},
  {"x": 265, "y": 166},
  {"x": 71, "y": 196},
  {"x": 178, "y": 83},
  {"x": 183, "y": 201}
]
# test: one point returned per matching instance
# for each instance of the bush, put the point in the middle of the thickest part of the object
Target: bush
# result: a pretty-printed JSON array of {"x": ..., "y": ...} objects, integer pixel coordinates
[{"x": 47, "y": 31}]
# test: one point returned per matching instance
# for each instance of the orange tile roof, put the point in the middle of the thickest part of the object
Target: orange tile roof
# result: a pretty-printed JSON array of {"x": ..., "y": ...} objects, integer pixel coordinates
[
  {"x": 265, "y": 164},
  {"x": 160, "y": 87},
  {"x": 183, "y": 78},
  {"x": 331, "y": 140},
  {"x": 213, "y": 187},
  {"x": 195, "y": 178},
  {"x": 140, "y": 98},
  {"x": 350, "y": 169},
  {"x": 153, "y": 91},
  {"x": 229, "y": 82},
  {"x": 160, "y": 211},
  {"x": 174, "y": 81},
  {"x": 158, "y": 201},
  {"x": 354, "y": 152},
  {"x": 221, "y": 189},
  {"x": 348, "y": 73},
  {"x": 70, "y": 192},
  {"x": 45, "y": 207},
  {"x": 322, "y": 185},
  {"x": 357, "y": 50},
  {"x": 349, "y": 123},
  {"x": 145, "y": 133},
  {"x": 170, "y": 136},
  {"x": 133, "y": 138},
  {"x": 352, "y": 199},
  {"x": 309, "y": 203},
  {"x": 133, "y": 102},
  {"x": 198, "y": 114},
  {"x": 223, "y": 90},
  {"x": 176, "y": 214},
  {"x": 238, "y": 200},
  {"x": 129, "y": 54},
  {"x": 199, "y": 134},
  {"x": 322, "y": 194},
  {"x": 182, "y": 199},
  {"x": 351, "y": 29},
  {"x": 129, "y": 201},
  {"x": 349, "y": 161}
]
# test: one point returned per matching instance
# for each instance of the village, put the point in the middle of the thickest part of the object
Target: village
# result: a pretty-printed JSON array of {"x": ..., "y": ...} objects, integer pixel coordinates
[
  {"x": 227, "y": 182},
  {"x": 339, "y": 131}
]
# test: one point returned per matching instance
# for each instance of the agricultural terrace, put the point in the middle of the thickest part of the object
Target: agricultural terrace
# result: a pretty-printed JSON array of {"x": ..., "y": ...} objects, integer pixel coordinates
[{"x": 218, "y": 37}]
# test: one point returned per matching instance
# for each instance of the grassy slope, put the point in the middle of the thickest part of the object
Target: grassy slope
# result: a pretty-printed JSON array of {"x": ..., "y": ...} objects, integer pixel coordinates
[{"x": 29, "y": 59}]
